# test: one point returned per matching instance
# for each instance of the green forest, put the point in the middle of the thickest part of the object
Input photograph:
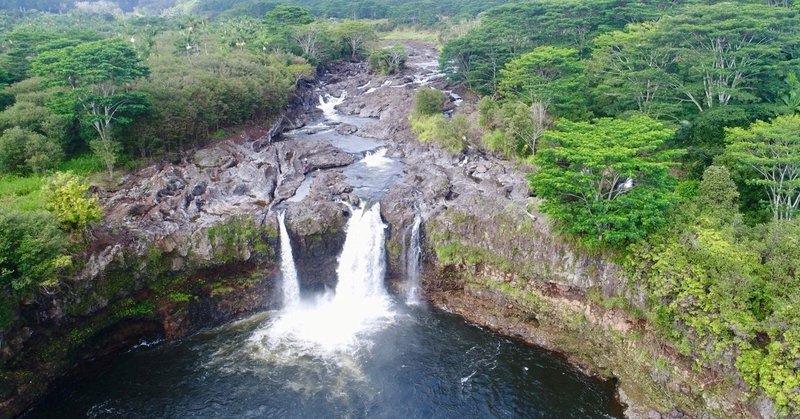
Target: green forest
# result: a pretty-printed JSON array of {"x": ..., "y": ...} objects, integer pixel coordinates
[{"x": 663, "y": 135}]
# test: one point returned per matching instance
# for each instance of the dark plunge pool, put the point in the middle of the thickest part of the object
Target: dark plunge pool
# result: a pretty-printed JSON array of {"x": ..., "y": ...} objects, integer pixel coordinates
[{"x": 419, "y": 363}]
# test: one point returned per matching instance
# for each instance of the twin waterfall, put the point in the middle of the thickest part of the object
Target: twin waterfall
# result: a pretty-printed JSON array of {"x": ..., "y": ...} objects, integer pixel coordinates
[
  {"x": 361, "y": 265},
  {"x": 338, "y": 321}
]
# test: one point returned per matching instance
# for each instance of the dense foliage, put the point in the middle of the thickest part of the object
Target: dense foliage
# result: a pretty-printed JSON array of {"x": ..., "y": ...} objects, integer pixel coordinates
[
  {"x": 665, "y": 133},
  {"x": 397, "y": 12},
  {"x": 32, "y": 250},
  {"x": 607, "y": 181},
  {"x": 772, "y": 149},
  {"x": 430, "y": 125},
  {"x": 87, "y": 90},
  {"x": 67, "y": 198}
]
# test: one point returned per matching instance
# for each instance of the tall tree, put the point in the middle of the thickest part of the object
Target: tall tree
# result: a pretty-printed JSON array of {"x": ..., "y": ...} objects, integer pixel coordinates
[
  {"x": 722, "y": 52},
  {"x": 607, "y": 182},
  {"x": 354, "y": 36},
  {"x": 773, "y": 150},
  {"x": 99, "y": 76},
  {"x": 314, "y": 41},
  {"x": 551, "y": 76},
  {"x": 288, "y": 15},
  {"x": 631, "y": 73}
]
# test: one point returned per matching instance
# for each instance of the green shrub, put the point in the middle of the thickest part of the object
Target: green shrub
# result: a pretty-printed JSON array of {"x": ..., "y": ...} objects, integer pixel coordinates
[
  {"x": 42, "y": 154},
  {"x": 428, "y": 101},
  {"x": 388, "y": 60},
  {"x": 450, "y": 134},
  {"x": 68, "y": 199},
  {"x": 12, "y": 150},
  {"x": 23, "y": 151},
  {"x": 33, "y": 250},
  {"x": 500, "y": 143}
]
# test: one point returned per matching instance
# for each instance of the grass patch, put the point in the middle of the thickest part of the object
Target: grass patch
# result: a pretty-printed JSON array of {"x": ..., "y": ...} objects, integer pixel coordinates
[
  {"x": 180, "y": 297},
  {"x": 410, "y": 34},
  {"x": 83, "y": 165},
  {"x": 15, "y": 186},
  {"x": 21, "y": 193}
]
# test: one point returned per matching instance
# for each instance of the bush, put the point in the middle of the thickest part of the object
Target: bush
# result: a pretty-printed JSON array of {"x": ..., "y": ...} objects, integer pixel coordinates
[
  {"x": 428, "y": 101},
  {"x": 498, "y": 142},
  {"x": 450, "y": 134},
  {"x": 32, "y": 249},
  {"x": 67, "y": 198},
  {"x": 42, "y": 154},
  {"x": 388, "y": 60},
  {"x": 23, "y": 151},
  {"x": 12, "y": 150}
]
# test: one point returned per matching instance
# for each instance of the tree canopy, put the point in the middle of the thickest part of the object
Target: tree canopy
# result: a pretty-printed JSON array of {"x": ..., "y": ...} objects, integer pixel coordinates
[
  {"x": 772, "y": 149},
  {"x": 551, "y": 76},
  {"x": 99, "y": 76},
  {"x": 607, "y": 182}
]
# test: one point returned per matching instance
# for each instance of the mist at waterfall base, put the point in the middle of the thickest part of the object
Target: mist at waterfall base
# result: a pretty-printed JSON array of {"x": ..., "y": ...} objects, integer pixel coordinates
[{"x": 355, "y": 352}]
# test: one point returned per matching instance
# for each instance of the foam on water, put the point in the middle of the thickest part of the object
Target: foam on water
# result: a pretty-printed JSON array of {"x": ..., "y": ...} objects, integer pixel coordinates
[
  {"x": 328, "y": 103},
  {"x": 377, "y": 159}
]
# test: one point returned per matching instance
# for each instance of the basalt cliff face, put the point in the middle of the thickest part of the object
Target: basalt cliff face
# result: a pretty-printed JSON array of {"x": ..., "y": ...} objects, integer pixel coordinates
[{"x": 193, "y": 243}]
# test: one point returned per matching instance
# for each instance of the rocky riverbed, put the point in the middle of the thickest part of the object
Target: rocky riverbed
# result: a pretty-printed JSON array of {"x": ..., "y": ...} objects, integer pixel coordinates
[{"x": 192, "y": 243}]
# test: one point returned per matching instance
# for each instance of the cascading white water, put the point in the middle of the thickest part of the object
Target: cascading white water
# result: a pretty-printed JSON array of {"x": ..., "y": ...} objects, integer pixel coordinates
[
  {"x": 377, "y": 159},
  {"x": 413, "y": 258},
  {"x": 362, "y": 264},
  {"x": 290, "y": 285},
  {"x": 328, "y": 103},
  {"x": 340, "y": 321}
]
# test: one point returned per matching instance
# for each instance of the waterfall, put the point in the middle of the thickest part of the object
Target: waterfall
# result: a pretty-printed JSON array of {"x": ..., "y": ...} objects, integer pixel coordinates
[
  {"x": 362, "y": 264},
  {"x": 341, "y": 321},
  {"x": 291, "y": 288},
  {"x": 413, "y": 259}
]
